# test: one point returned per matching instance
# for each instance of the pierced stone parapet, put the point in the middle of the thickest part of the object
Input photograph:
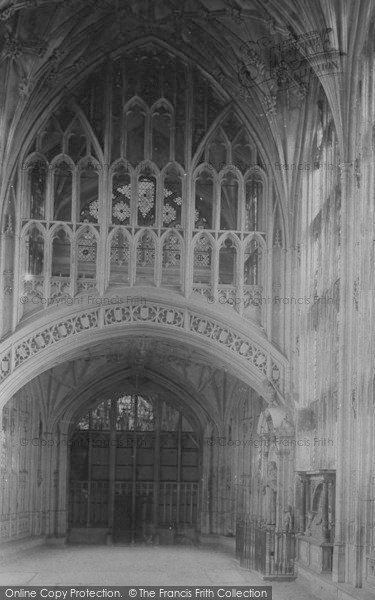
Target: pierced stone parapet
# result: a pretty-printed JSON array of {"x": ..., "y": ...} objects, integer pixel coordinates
[
  {"x": 5, "y": 366},
  {"x": 24, "y": 347},
  {"x": 53, "y": 334}
]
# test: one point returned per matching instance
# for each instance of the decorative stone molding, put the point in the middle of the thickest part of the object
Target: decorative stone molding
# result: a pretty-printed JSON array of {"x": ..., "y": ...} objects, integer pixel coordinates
[
  {"x": 232, "y": 297},
  {"x": 5, "y": 365},
  {"x": 21, "y": 348}
]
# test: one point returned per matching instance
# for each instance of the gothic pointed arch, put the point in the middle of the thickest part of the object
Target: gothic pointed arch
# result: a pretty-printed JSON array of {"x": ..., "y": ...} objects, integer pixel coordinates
[
  {"x": 88, "y": 190},
  {"x": 205, "y": 209},
  {"x": 147, "y": 209},
  {"x": 136, "y": 120},
  {"x": 121, "y": 180},
  {"x": 162, "y": 127},
  {"x": 174, "y": 208},
  {"x": 217, "y": 151},
  {"x": 75, "y": 141},
  {"x": 230, "y": 199},
  {"x": 62, "y": 185},
  {"x": 146, "y": 248},
  {"x": 228, "y": 260},
  {"x": 119, "y": 252},
  {"x": 255, "y": 200},
  {"x": 49, "y": 140},
  {"x": 172, "y": 258},
  {"x": 60, "y": 251},
  {"x": 254, "y": 261},
  {"x": 36, "y": 169},
  {"x": 202, "y": 259},
  {"x": 87, "y": 258}
]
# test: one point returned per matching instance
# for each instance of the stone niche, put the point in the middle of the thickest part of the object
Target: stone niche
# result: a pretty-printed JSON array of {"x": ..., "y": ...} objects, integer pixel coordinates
[{"x": 315, "y": 503}]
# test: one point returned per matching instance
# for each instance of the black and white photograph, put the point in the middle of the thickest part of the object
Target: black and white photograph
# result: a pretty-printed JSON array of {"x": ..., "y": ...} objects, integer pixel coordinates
[{"x": 187, "y": 299}]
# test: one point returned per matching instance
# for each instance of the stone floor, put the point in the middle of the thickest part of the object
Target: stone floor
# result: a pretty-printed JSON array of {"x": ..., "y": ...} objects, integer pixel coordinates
[{"x": 138, "y": 566}]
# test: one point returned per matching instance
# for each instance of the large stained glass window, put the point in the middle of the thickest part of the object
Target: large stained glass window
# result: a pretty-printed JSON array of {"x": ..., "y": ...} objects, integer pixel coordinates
[{"x": 154, "y": 185}]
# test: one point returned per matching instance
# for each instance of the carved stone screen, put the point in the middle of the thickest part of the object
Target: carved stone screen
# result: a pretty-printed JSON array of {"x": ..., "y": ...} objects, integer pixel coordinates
[{"x": 135, "y": 469}]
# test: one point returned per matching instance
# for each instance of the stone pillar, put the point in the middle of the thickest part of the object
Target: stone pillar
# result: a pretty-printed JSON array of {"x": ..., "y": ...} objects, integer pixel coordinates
[
  {"x": 345, "y": 369},
  {"x": 63, "y": 488}
]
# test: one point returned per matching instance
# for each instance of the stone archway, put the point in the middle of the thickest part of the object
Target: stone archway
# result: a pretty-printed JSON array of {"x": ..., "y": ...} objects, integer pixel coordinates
[
  {"x": 50, "y": 340},
  {"x": 47, "y": 407}
]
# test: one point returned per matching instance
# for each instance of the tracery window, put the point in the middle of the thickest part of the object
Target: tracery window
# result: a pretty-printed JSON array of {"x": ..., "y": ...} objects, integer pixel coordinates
[
  {"x": 121, "y": 196},
  {"x": 204, "y": 200},
  {"x": 218, "y": 151},
  {"x": 62, "y": 192},
  {"x": 172, "y": 162},
  {"x": 135, "y": 137},
  {"x": 37, "y": 189},
  {"x": 119, "y": 257},
  {"x": 252, "y": 265},
  {"x": 146, "y": 201},
  {"x": 254, "y": 203},
  {"x": 244, "y": 153},
  {"x": 34, "y": 252},
  {"x": 50, "y": 139},
  {"x": 227, "y": 262},
  {"x": 171, "y": 260},
  {"x": 145, "y": 258},
  {"x": 229, "y": 201},
  {"x": 77, "y": 144},
  {"x": 87, "y": 252},
  {"x": 161, "y": 120},
  {"x": 89, "y": 194},
  {"x": 133, "y": 413},
  {"x": 172, "y": 192},
  {"x": 61, "y": 254},
  {"x": 202, "y": 260}
]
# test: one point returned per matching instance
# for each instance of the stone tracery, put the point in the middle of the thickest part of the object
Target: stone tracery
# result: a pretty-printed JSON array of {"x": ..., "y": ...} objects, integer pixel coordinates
[{"x": 138, "y": 182}]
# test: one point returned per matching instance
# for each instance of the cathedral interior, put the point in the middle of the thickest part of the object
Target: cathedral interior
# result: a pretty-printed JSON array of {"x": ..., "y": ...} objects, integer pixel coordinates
[{"x": 186, "y": 279}]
